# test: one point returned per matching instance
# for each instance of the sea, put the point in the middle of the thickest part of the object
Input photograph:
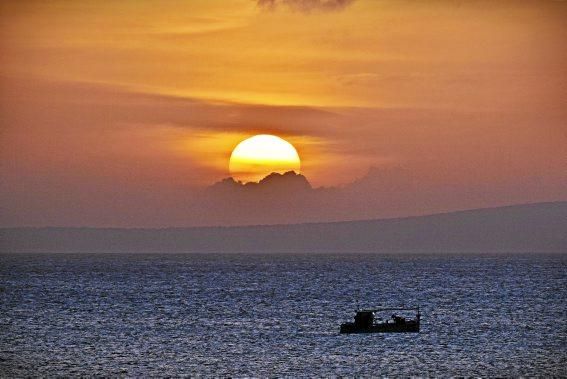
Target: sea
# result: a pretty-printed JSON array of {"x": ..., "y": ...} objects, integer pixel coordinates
[{"x": 254, "y": 315}]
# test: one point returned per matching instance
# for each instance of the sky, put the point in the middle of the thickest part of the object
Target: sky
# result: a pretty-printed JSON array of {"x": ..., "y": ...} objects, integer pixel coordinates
[{"x": 125, "y": 113}]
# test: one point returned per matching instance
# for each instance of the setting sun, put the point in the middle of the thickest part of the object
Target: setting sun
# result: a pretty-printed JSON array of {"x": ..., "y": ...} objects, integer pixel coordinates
[{"x": 258, "y": 156}]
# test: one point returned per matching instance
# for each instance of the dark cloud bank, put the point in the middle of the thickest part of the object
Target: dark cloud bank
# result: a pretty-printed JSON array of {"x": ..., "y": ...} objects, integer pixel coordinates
[{"x": 382, "y": 192}]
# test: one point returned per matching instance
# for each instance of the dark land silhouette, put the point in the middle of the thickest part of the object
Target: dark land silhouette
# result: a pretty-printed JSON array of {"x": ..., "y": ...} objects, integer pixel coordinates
[{"x": 540, "y": 227}]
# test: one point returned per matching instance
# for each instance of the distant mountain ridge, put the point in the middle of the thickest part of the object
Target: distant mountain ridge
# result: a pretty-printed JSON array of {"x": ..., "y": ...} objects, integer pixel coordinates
[{"x": 540, "y": 227}]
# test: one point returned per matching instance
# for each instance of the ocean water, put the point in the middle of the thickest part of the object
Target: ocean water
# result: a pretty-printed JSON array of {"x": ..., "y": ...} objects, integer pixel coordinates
[{"x": 279, "y": 315}]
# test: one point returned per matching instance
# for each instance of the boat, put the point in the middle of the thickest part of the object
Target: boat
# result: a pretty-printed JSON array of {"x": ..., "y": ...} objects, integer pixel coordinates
[{"x": 367, "y": 321}]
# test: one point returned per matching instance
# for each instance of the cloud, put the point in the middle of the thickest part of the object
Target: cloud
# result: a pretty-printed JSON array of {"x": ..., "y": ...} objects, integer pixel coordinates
[
  {"x": 381, "y": 193},
  {"x": 306, "y": 6},
  {"x": 85, "y": 154}
]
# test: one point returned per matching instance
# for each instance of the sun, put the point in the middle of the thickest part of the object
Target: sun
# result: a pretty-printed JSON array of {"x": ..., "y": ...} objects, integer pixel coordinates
[{"x": 260, "y": 155}]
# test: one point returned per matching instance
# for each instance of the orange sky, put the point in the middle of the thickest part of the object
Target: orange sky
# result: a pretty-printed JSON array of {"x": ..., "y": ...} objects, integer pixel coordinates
[{"x": 128, "y": 103}]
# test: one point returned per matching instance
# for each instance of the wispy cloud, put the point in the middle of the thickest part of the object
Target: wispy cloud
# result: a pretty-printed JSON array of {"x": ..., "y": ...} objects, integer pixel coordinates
[{"x": 305, "y": 6}]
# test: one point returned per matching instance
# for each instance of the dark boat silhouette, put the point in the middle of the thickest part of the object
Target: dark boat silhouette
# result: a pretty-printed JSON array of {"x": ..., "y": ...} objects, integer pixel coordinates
[{"x": 366, "y": 321}]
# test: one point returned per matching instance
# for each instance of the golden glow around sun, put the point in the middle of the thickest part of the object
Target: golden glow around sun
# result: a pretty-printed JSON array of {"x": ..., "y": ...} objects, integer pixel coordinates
[{"x": 258, "y": 156}]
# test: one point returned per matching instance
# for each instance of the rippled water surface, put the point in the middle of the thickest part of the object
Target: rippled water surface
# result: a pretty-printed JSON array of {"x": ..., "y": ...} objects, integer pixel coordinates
[{"x": 266, "y": 315}]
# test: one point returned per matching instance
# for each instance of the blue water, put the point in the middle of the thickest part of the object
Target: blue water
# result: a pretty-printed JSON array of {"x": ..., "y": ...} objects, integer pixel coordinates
[{"x": 266, "y": 315}]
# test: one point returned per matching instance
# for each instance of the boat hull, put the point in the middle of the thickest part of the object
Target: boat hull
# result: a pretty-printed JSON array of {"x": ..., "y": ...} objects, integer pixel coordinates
[{"x": 349, "y": 328}]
